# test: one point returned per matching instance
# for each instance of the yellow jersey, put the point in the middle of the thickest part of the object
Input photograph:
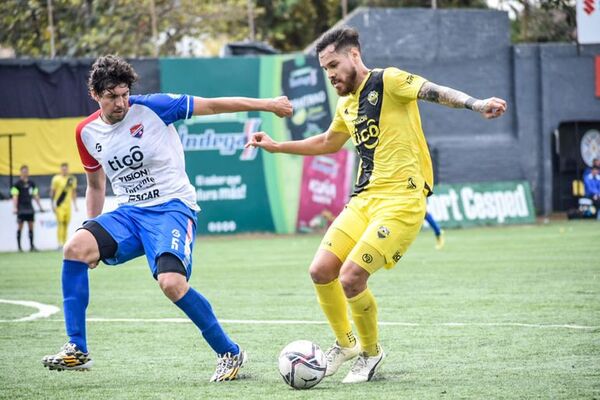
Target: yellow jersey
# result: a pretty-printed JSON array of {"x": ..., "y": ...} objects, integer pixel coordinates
[
  {"x": 382, "y": 118},
  {"x": 63, "y": 187}
]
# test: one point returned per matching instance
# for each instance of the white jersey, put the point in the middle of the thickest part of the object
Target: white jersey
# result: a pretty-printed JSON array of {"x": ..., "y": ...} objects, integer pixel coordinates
[{"x": 141, "y": 155}]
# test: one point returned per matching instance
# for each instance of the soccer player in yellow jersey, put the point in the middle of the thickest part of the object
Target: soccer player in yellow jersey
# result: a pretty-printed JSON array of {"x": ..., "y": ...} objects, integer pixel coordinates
[
  {"x": 378, "y": 110},
  {"x": 63, "y": 191}
]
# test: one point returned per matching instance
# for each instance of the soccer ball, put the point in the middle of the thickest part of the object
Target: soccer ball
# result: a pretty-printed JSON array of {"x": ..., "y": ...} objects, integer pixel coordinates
[{"x": 302, "y": 364}]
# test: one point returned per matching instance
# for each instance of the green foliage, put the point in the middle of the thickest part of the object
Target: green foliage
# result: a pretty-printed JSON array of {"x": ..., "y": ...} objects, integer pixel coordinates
[
  {"x": 290, "y": 25},
  {"x": 93, "y": 27},
  {"x": 544, "y": 21},
  {"x": 88, "y": 28},
  {"x": 489, "y": 279}
]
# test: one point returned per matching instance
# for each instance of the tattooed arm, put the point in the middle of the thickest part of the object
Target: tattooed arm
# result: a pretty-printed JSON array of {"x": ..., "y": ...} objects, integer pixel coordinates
[{"x": 489, "y": 108}]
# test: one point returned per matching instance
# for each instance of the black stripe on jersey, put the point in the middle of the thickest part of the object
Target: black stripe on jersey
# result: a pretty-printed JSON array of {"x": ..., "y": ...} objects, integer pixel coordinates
[{"x": 366, "y": 128}]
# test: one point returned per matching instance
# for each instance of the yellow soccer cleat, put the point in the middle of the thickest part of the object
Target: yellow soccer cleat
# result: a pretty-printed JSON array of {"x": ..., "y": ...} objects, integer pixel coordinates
[{"x": 440, "y": 241}]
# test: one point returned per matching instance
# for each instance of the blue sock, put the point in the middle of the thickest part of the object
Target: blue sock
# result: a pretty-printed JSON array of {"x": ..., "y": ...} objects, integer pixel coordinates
[
  {"x": 198, "y": 309},
  {"x": 433, "y": 224},
  {"x": 76, "y": 296}
]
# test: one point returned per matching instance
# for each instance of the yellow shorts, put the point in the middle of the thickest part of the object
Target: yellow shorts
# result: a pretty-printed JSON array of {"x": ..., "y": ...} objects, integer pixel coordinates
[
  {"x": 375, "y": 232},
  {"x": 63, "y": 214}
]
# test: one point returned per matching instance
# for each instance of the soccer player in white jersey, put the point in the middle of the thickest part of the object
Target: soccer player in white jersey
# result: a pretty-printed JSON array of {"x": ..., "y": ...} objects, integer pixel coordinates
[{"x": 132, "y": 141}]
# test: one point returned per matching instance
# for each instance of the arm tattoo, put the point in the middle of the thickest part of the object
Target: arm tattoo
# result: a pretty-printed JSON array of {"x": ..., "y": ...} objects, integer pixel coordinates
[{"x": 446, "y": 96}]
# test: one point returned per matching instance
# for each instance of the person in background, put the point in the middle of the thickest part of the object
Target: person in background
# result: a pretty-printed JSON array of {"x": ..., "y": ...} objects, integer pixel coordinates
[
  {"x": 63, "y": 191},
  {"x": 591, "y": 182},
  {"x": 23, "y": 192}
]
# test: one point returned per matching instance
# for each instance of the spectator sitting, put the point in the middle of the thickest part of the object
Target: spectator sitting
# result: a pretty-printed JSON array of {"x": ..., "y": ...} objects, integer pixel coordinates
[
  {"x": 595, "y": 163},
  {"x": 591, "y": 182}
]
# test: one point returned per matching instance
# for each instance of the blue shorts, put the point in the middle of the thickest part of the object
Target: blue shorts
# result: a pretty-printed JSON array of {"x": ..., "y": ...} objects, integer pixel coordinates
[{"x": 155, "y": 230}]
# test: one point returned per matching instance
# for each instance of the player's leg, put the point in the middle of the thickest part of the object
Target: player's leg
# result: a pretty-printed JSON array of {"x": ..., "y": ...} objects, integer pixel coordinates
[
  {"x": 108, "y": 238},
  {"x": 61, "y": 226},
  {"x": 394, "y": 227},
  {"x": 80, "y": 252},
  {"x": 19, "y": 230},
  {"x": 362, "y": 262},
  {"x": 30, "y": 221},
  {"x": 439, "y": 234},
  {"x": 324, "y": 272},
  {"x": 168, "y": 233}
]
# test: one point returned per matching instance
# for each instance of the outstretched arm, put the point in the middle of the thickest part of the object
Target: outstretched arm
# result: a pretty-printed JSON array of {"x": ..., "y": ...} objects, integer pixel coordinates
[
  {"x": 279, "y": 106},
  {"x": 325, "y": 143},
  {"x": 489, "y": 108}
]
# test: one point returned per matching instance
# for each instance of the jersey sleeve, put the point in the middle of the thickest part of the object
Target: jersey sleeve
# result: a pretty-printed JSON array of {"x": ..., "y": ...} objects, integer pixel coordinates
[
  {"x": 168, "y": 107},
  {"x": 89, "y": 163},
  {"x": 338, "y": 124},
  {"x": 35, "y": 190},
  {"x": 14, "y": 191},
  {"x": 403, "y": 86}
]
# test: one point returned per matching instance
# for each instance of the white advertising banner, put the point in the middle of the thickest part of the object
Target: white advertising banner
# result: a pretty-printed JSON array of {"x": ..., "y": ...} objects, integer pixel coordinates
[
  {"x": 44, "y": 227},
  {"x": 588, "y": 21}
]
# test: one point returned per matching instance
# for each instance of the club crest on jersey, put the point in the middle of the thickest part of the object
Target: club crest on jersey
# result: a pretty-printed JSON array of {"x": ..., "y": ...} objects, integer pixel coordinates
[
  {"x": 373, "y": 97},
  {"x": 137, "y": 130},
  {"x": 383, "y": 232}
]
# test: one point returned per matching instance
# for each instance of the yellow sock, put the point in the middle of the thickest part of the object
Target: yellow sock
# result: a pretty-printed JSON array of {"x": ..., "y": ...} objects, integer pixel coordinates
[
  {"x": 333, "y": 303},
  {"x": 364, "y": 314},
  {"x": 62, "y": 233}
]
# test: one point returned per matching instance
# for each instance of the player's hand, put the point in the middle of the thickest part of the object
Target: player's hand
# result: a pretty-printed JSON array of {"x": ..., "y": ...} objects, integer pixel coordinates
[
  {"x": 93, "y": 264},
  {"x": 491, "y": 108},
  {"x": 262, "y": 140},
  {"x": 281, "y": 106},
  {"x": 15, "y": 211}
]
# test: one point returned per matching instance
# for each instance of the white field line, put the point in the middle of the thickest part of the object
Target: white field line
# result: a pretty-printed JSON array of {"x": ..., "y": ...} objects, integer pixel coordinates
[{"x": 46, "y": 310}]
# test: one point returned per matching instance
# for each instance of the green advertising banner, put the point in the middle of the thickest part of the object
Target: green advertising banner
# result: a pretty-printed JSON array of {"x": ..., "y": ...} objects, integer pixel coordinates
[
  {"x": 496, "y": 203},
  {"x": 230, "y": 182}
]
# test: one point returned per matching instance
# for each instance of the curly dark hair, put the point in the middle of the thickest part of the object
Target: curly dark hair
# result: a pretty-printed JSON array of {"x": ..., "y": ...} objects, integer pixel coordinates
[
  {"x": 110, "y": 71},
  {"x": 341, "y": 38}
]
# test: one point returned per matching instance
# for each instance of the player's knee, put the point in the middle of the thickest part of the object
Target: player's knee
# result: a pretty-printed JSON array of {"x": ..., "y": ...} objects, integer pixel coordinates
[
  {"x": 77, "y": 250},
  {"x": 354, "y": 281},
  {"x": 320, "y": 274},
  {"x": 173, "y": 285}
]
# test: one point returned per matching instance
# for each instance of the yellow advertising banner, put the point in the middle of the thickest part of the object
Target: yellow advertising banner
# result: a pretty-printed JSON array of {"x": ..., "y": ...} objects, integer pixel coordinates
[{"x": 47, "y": 143}]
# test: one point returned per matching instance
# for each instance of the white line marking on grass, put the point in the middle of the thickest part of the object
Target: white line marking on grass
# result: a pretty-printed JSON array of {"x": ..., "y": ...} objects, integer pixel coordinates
[
  {"x": 383, "y": 323},
  {"x": 44, "y": 310}
]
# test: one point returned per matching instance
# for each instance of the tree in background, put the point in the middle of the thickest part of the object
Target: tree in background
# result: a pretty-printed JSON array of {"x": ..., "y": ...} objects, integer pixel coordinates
[
  {"x": 543, "y": 21},
  {"x": 149, "y": 28},
  {"x": 134, "y": 28},
  {"x": 290, "y": 25}
]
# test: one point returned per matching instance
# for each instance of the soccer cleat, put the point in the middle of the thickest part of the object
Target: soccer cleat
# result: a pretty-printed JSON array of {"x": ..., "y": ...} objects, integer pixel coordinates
[
  {"x": 364, "y": 367},
  {"x": 337, "y": 355},
  {"x": 69, "y": 358},
  {"x": 228, "y": 366},
  {"x": 440, "y": 241}
]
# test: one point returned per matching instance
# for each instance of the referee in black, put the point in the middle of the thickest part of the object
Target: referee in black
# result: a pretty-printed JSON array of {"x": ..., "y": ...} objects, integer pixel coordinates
[{"x": 23, "y": 192}]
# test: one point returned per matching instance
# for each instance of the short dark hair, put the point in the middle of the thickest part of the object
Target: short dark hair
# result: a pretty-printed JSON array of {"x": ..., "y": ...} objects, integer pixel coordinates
[
  {"x": 110, "y": 71},
  {"x": 24, "y": 166},
  {"x": 65, "y": 164},
  {"x": 341, "y": 38}
]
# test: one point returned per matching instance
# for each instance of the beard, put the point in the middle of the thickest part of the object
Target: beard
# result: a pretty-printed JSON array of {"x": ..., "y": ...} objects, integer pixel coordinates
[
  {"x": 347, "y": 85},
  {"x": 115, "y": 117}
]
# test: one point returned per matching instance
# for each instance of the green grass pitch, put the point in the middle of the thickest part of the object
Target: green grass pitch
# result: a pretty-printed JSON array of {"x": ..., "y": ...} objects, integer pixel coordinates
[{"x": 508, "y": 312}]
